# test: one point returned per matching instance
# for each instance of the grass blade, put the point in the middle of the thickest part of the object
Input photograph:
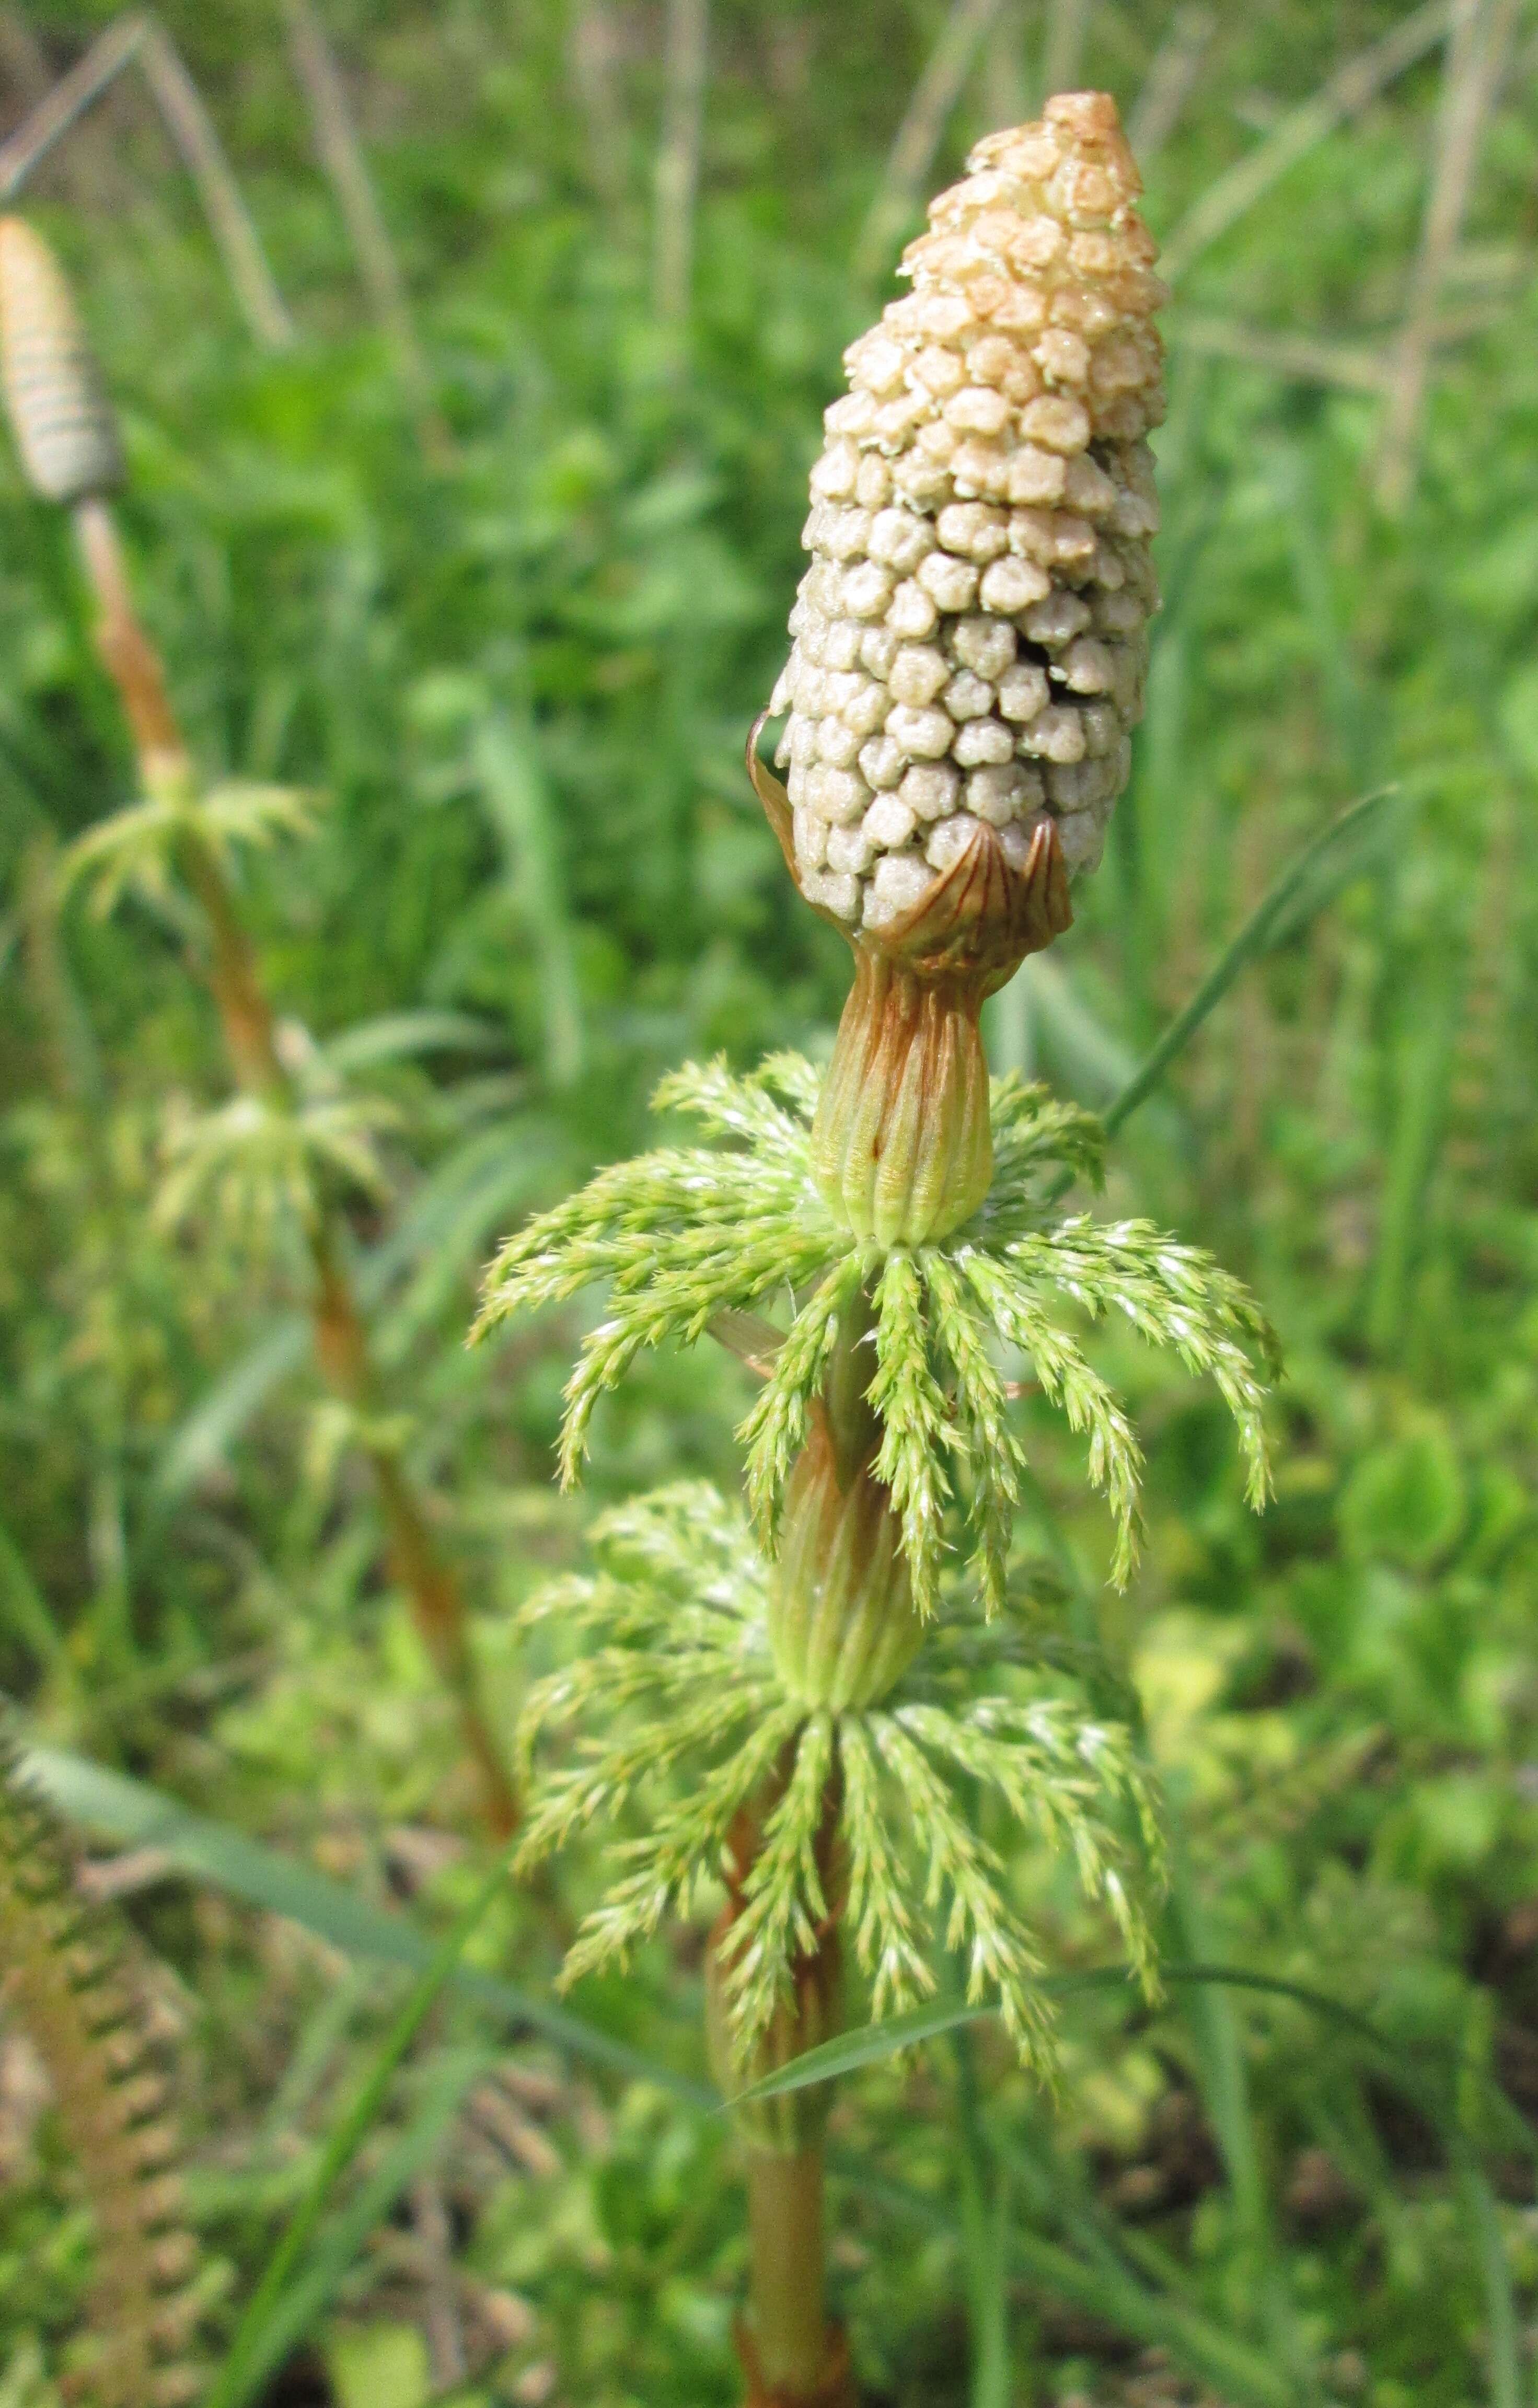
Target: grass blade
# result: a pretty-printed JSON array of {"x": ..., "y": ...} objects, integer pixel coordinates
[
  {"x": 139, "y": 1816},
  {"x": 873, "y": 2042},
  {"x": 1257, "y": 934},
  {"x": 23, "y": 1605},
  {"x": 198, "y": 1443},
  {"x": 1224, "y": 2080},
  {"x": 1109, "y": 2292},
  {"x": 517, "y": 801},
  {"x": 1501, "y": 2329},
  {"x": 244, "y": 2366},
  {"x": 293, "y": 2317}
]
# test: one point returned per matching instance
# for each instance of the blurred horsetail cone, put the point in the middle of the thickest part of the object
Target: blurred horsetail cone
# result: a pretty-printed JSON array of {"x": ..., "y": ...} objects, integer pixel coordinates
[
  {"x": 970, "y": 644},
  {"x": 64, "y": 424}
]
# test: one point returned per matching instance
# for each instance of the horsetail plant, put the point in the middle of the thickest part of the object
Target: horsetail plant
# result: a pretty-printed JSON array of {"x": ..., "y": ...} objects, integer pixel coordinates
[
  {"x": 828, "y": 1716},
  {"x": 287, "y": 1143},
  {"x": 66, "y": 1980}
]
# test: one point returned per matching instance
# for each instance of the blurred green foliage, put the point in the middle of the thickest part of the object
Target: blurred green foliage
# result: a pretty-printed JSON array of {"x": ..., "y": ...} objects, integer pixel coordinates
[{"x": 521, "y": 675}]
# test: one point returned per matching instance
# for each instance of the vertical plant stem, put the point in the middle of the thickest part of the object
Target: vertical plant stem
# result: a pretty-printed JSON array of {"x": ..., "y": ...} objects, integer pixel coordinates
[
  {"x": 1478, "y": 47},
  {"x": 341, "y": 155},
  {"x": 593, "y": 54},
  {"x": 245, "y": 1015},
  {"x": 1005, "y": 85},
  {"x": 982, "y": 2238},
  {"x": 677, "y": 179},
  {"x": 792, "y": 2355}
]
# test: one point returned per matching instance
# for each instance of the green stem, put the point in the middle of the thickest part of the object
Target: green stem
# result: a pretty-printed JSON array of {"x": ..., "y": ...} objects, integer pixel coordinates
[{"x": 786, "y": 2282}]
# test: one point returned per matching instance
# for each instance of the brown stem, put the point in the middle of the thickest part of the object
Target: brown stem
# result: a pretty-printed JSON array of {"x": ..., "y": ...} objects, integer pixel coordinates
[
  {"x": 245, "y": 1016},
  {"x": 235, "y": 978},
  {"x": 792, "y": 2356},
  {"x": 128, "y": 655}
]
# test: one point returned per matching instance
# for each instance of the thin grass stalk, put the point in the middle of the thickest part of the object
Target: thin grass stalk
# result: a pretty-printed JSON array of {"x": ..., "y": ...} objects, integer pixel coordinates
[
  {"x": 68, "y": 101},
  {"x": 341, "y": 156},
  {"x": 192, "y": 130},
  {"x": 1478, "y": 48},
  {"x": 230, "y": 223},
  {"x": 676, "y": 179},
  {"x": 919, "y": 136},
  {"x": 1342, "y": 96},
  {"x": 1067, "y": 34},
  {"x": 1310, "y": 359},
  {"x": 445, "y": 2328},
  {"x": 1173, "y": 75},
  {"x": 94, "y": 174},
  {"x": 245, "y": 1014}
]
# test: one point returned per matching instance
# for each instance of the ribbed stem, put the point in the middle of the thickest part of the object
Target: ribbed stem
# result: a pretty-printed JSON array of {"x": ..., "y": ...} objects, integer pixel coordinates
[
  {"x": 841, "y": 1620},
  {"x": 791, "y": 2356},
  {"x": 901, "y": 1147},
  {"x": 843, "y": 1629},
  {"x": 245, "y": 1020}
]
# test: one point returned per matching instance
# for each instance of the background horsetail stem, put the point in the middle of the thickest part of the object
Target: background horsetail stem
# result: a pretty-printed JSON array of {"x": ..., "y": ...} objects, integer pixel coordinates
[
  {"x": 66, "y": 437},
  {"x": 341, "y": 1337}
]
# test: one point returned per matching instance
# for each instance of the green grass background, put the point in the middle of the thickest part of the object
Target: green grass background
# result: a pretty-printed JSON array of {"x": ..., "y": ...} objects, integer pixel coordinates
[{"x": 521, "y": 675}]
